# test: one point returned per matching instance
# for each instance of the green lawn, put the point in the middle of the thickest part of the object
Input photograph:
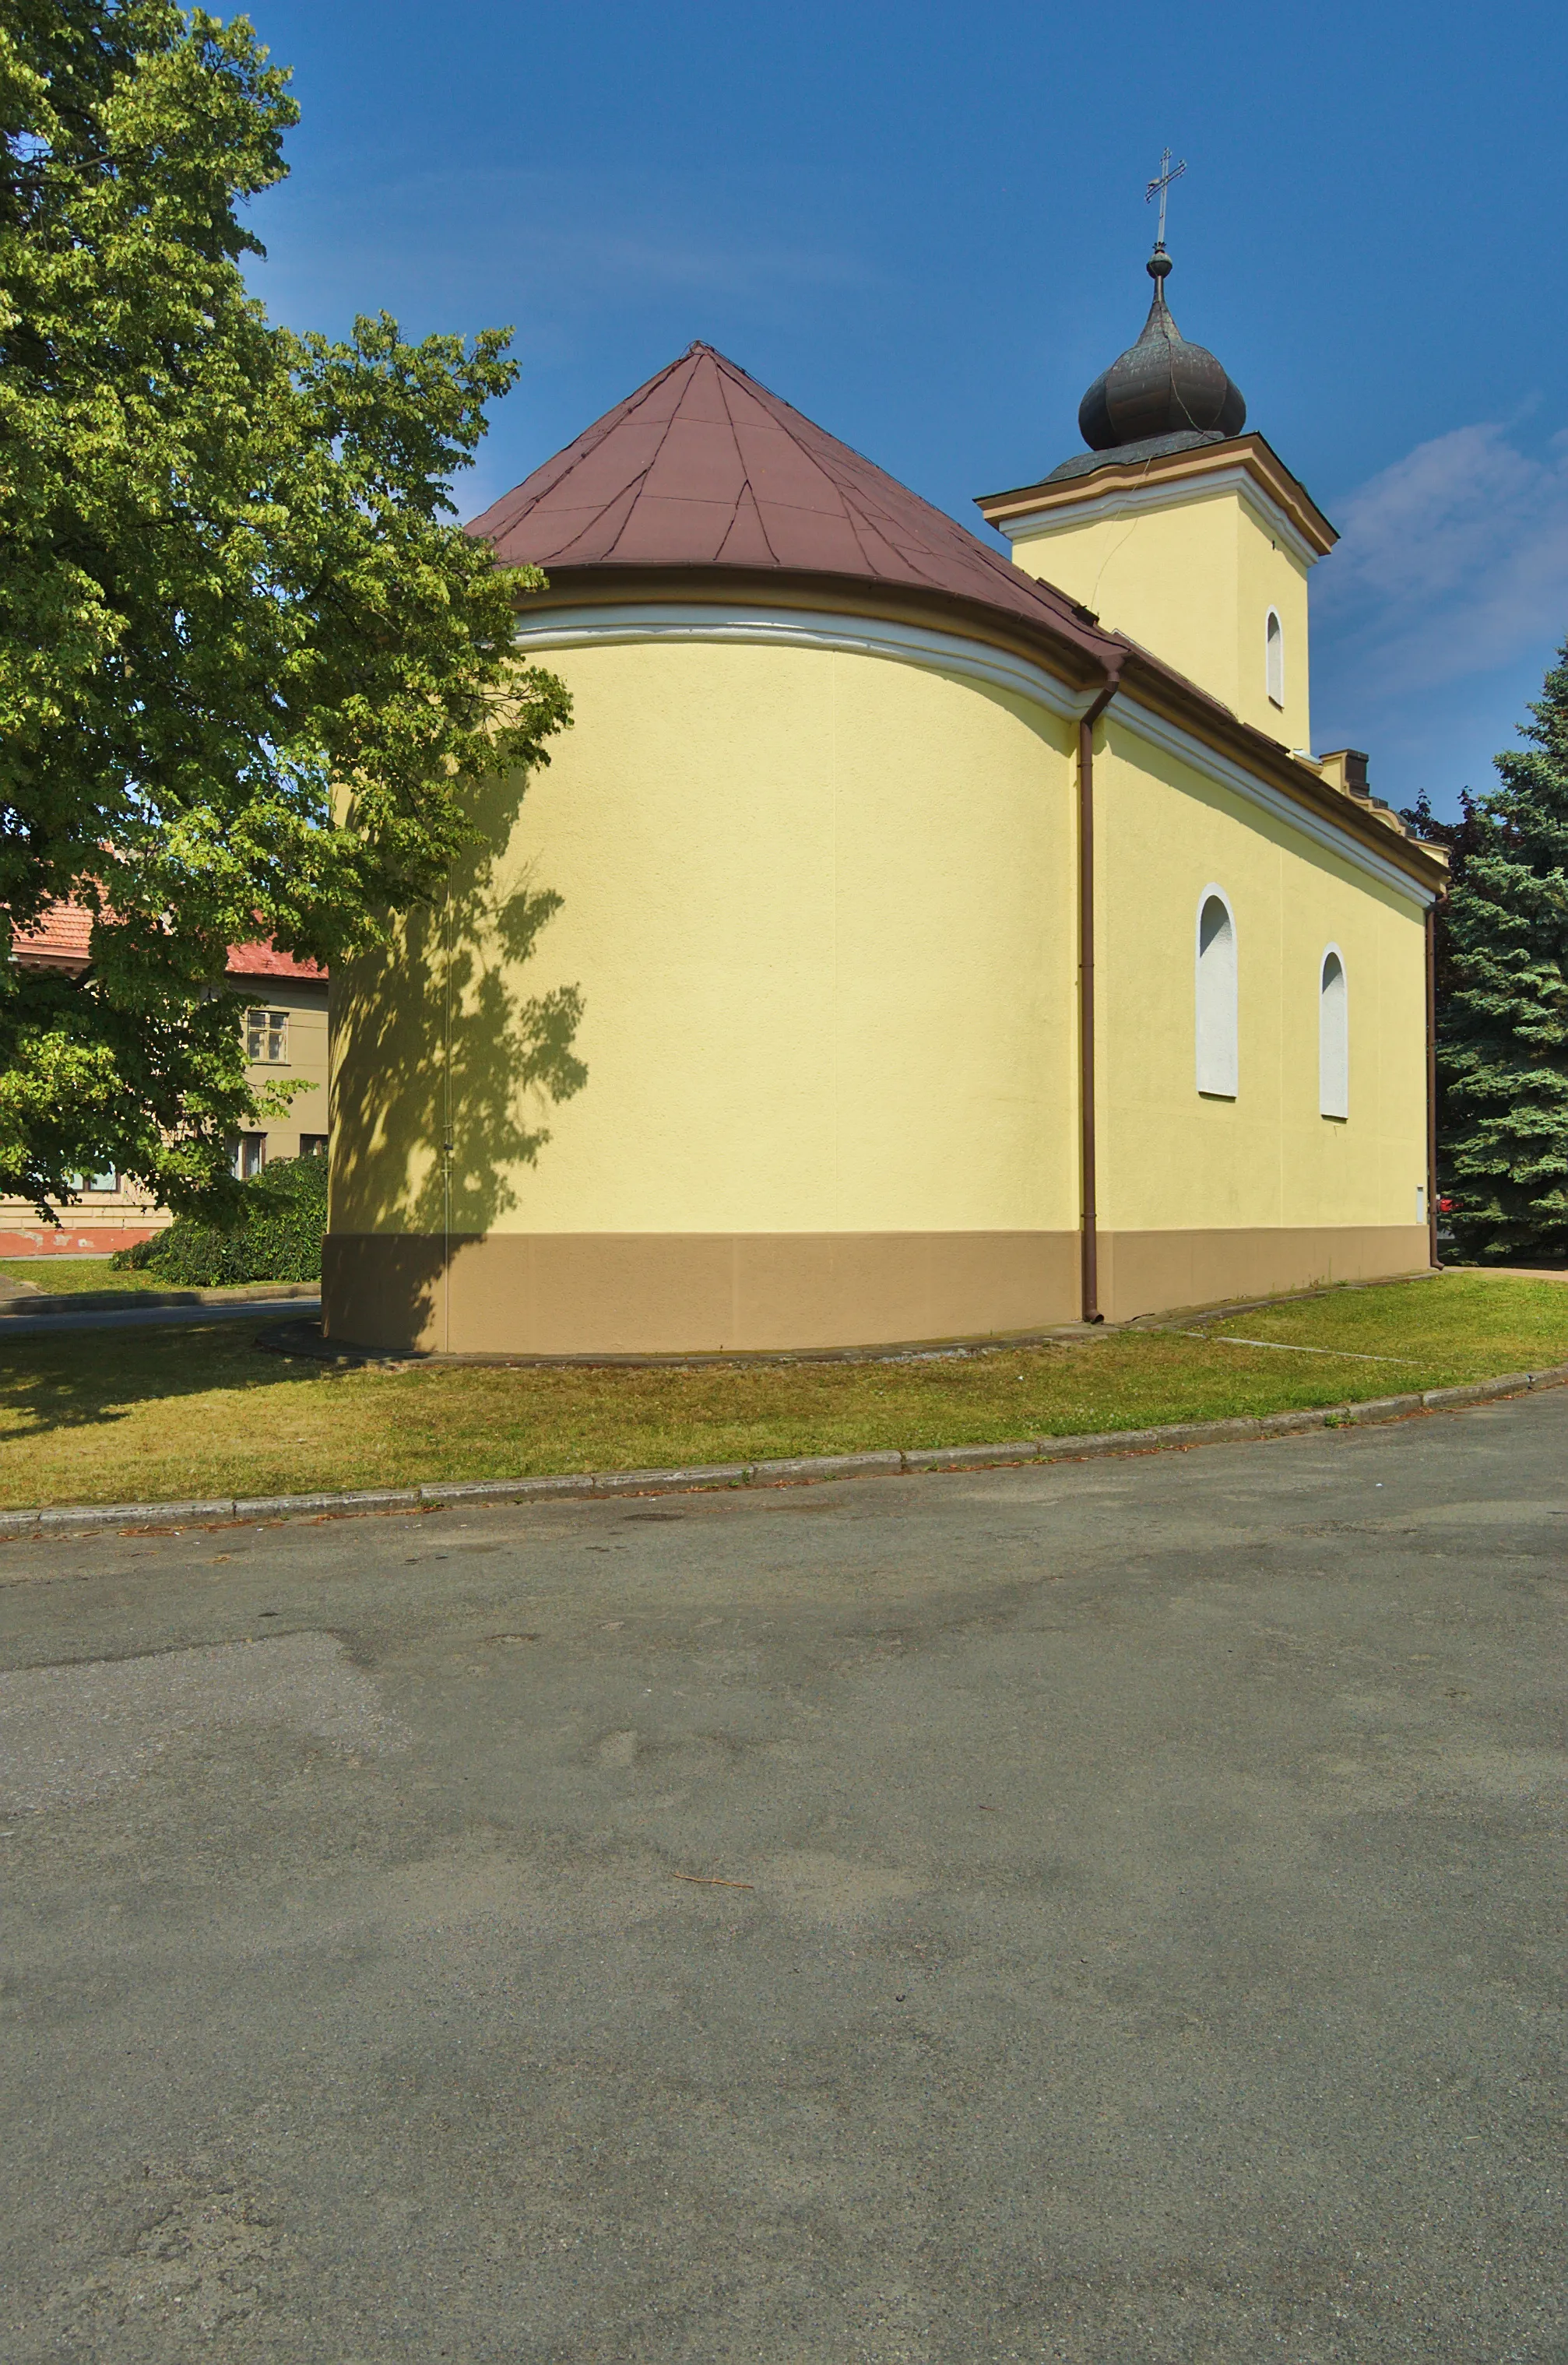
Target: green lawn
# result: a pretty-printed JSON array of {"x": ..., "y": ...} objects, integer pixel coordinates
[
  {"x": 113, "y": 1416},
  {"x": 60, "y": 1275}
]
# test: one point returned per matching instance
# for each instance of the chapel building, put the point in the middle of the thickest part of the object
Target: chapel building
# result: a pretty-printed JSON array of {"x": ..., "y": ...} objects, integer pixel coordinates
[{"x": 964, "y": 946}]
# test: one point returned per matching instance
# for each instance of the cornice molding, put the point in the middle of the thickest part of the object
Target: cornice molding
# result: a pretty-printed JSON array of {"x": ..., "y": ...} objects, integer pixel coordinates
[
  {"x": 806, "y": 628},
  {"x": 1162, "y": 493},
  {"x": 551, "y": 629},
  {"x": 1245, "y": 461},
  {"x": 1172, "y": 740}
]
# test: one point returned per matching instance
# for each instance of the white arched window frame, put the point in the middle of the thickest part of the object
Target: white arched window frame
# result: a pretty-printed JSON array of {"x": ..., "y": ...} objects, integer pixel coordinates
[
  {"x": 1275, "y": 657},
  {"x": 1215, "y": 1001},
  {"x": 1333, "y": 1035}
]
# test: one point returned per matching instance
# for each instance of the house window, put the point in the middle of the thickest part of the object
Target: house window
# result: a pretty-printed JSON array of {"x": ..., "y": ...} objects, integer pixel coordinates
[
  {"x": 267, "y": 1038},
  {"x": 1333, "y": 1038},
  {"x": 1215, "y": 997},
  {"x": 312, "y": 1145},
  {"x": 107, "y": 1181},
  {"x": 1274, "y": 659},
  {"x": 249, "y": 1155}
]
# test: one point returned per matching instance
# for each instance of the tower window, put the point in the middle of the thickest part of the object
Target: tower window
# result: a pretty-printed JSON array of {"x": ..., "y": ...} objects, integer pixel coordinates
[
  {"x": 1333, "y": 1038},
  {"x": 1274, "y": 659},
  {"x": 1216, "y": 998}
]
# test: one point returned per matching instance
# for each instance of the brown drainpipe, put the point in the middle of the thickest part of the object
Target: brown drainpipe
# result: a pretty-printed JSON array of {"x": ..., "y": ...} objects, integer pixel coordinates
[
  {"x": 1089, "y": 1241},
  {"x": 1432, "y": 1081}
]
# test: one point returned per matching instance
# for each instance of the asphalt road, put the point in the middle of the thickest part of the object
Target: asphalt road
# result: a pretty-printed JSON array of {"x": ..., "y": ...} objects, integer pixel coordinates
[
  {"x": 1138, "y": 1937},
  {"x": 132, "y": 1317}
]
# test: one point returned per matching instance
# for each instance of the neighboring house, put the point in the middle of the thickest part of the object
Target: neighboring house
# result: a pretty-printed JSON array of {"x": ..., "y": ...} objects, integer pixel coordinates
[
  {"x": 957, "y": 954},
  {"x": 286, "y": 1038},
  {"x": 284, "y": 1013}
]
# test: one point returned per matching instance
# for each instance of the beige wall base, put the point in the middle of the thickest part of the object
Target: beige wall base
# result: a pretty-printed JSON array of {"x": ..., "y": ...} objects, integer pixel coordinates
[
  {"x": 1146, "y": 1272},
  {"x": 652, "y": 1293}
]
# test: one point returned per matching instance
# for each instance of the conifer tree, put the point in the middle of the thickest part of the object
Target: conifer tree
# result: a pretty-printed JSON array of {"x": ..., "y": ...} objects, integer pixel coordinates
[{"x": 1503, "y": 1026}]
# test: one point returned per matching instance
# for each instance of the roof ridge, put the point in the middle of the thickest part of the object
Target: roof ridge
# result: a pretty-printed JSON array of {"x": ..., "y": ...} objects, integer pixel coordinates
[
  {"x": 810, "y": 423},
  {"x": 643, "y": 475},
  {"x": 591, "y": 439},
  {"x": 747, "y": 486},
  {"x": 965, "y": 537},
  {"x": 816, "y": 459}
]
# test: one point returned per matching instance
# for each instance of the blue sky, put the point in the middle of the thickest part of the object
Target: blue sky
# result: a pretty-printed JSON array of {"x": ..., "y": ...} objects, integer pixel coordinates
[{"x": 924, "y": 226}]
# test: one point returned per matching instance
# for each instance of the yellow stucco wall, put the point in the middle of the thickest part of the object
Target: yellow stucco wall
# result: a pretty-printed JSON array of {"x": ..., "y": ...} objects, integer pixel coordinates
[
  {"x": 821, "y": 907},
  {"x": 1193, "y": 581},
  {"x": 1172, "y": 1159}
]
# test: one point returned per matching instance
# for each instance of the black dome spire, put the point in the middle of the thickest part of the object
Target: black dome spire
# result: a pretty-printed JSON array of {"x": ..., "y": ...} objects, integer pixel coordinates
[{"x": 1161, "y": 387}]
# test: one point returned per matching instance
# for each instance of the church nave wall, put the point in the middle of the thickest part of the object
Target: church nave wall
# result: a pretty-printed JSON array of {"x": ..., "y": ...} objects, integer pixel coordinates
[{"x": 1176, "y": 1161}]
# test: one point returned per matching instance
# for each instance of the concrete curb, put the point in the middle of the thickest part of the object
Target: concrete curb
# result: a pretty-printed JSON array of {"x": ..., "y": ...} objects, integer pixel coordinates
[{"x": 808, "y": 1470}]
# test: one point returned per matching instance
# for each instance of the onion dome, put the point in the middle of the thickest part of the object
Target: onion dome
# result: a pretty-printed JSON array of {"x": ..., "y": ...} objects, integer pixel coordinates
[{"x": 1162, "y": 387}]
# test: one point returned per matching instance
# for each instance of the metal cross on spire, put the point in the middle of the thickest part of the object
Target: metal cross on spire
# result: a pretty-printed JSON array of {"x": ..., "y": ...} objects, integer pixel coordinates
[{"x": 1167, "y": 174}]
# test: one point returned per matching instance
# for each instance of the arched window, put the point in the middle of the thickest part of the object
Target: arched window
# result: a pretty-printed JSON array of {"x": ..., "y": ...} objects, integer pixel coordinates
[
  {"x": 1215, "y": 997},
  {"x": 1333, "y": 1037},
  {"x": 1274, "y": 659}
]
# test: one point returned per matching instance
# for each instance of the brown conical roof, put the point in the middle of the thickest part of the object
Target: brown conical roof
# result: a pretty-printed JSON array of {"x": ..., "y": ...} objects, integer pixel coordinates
[{"x": 703, "y": 467}]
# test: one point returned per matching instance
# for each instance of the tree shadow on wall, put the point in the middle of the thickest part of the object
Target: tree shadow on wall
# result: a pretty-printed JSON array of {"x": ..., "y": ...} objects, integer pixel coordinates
[{"x": 446, "y": 1071}]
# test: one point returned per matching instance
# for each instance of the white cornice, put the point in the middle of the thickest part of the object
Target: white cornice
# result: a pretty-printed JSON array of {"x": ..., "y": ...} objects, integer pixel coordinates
[
  {"x": 916, "y": 645},
  {"x": 1170, "y": 736},
  {"x": 804, "y": 628},
  {"x": 1164, "y": 492}
]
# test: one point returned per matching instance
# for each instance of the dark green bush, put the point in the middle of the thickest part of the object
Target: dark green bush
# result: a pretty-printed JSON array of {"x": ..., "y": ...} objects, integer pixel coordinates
[{"x": 278, "y": 1237}]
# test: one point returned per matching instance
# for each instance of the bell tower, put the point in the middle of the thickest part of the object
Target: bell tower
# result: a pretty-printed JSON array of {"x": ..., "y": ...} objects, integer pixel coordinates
[{"x": 1178, "y": 528}]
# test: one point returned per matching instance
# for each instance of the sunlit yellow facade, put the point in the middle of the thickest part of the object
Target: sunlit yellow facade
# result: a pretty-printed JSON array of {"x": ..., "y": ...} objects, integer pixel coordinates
[{"x": 800, "y": 891}]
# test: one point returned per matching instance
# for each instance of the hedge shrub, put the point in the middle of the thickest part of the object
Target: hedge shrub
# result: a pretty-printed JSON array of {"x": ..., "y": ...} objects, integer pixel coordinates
[{"x": 278, "y": 1237}]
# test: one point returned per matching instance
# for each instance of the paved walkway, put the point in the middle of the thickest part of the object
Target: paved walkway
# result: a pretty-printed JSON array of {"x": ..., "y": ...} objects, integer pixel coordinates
[{"x": 1106, "y": 1912}]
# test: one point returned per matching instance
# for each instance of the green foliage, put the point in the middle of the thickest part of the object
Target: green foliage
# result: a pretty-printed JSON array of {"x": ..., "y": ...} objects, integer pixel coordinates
[
  {"x": 250, "y": 666},
  {"x": 282, "y": 1222},
  {"x": 1503, "y": 1031}
]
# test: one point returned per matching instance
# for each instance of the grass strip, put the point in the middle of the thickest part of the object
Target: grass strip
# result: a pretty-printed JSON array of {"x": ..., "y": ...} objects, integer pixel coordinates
[
  {"x": 197, "y": 1411},
  {"x": 63, "y": 1276}
]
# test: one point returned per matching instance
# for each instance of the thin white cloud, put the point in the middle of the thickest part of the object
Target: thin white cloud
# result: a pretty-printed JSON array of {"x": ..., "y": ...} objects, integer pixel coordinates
[
  {"x": 1454, "y": 562},
  {"x": 548, "y": 251}
]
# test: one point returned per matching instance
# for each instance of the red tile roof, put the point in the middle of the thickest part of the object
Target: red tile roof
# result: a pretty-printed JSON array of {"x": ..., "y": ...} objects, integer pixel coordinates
[
  {"x": 704, "y": 467},
  {"x": 57, "y": 941},
  {"x": 265, "y": 961},
  {"x": 60, "y": 940}
]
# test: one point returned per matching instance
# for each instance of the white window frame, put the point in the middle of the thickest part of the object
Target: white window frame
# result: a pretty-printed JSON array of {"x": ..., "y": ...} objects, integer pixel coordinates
[
  {"x": 1274, "y": 659},
  {"x": 1216, "y": 1005},
  {"x": 1334, "y": 1041},
  {"x": 272, "y": 1026},
  {"x": 250, "y": 1156}
]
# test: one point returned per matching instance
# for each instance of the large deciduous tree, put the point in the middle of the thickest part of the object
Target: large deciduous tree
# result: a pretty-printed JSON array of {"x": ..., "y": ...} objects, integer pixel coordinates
[
  {"x": 248, "y": 659},
  {"x": 1503, "y": 1025}
]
